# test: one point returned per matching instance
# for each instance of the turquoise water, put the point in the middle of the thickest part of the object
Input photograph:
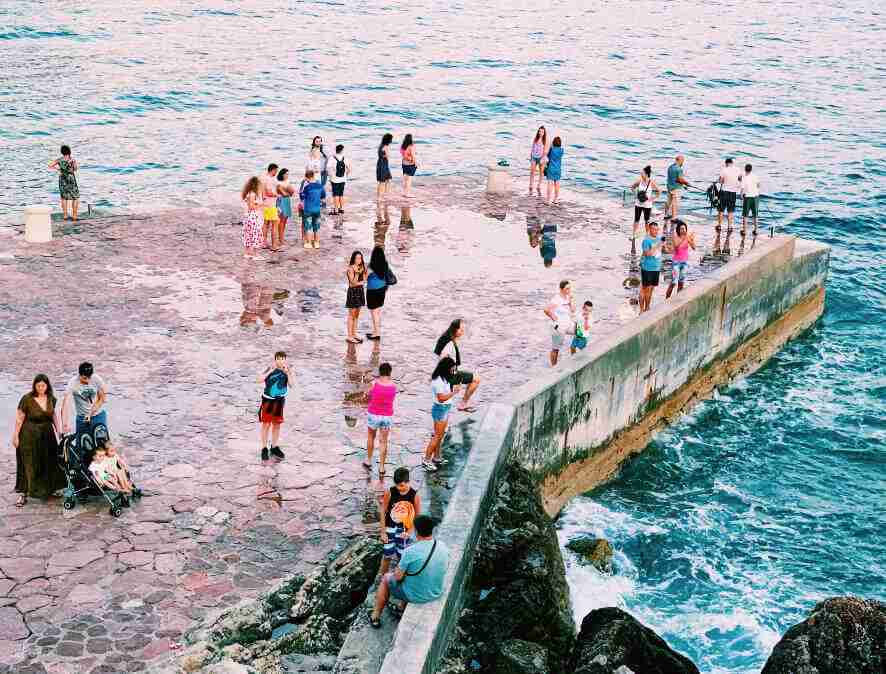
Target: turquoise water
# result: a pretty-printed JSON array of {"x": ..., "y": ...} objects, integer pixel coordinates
[{"x": 742, "y": 516}]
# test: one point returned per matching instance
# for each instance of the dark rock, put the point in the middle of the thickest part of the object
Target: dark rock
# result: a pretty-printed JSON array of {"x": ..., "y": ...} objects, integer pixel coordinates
[
  {"x": 69, "y": 649},
  {"x": 596, "y": 551},
  {"x": 518, "y": 587},
  {"x": 610, "y": 638},
  {"x": 522, "y": 657},
  {"x": 842, "y": 635},
  {"x": 340, "y": 586}
]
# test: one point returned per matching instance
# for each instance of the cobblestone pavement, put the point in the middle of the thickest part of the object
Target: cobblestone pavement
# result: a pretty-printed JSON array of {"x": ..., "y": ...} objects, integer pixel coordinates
[{"x": 179, "y": 325}]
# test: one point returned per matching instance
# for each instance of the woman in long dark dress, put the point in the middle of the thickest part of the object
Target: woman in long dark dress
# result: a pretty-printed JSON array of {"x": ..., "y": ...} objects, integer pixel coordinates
[{"x": 37, "y": 473}]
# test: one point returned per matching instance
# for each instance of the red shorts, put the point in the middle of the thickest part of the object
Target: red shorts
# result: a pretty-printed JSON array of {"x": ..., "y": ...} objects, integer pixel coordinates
[{"x": 271, "y": 410}]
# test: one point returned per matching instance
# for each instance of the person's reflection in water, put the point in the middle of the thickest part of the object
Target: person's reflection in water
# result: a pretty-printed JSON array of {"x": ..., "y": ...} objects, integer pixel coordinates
[
  {"x": 358, "y": 379},
  {"x": 533, "y": 230},
  {"x": 382, "y": 223},
  {"x": 548, "y": 248},
  {"x": 257, "y": 301},
  {"x": 406, "y": 231}
]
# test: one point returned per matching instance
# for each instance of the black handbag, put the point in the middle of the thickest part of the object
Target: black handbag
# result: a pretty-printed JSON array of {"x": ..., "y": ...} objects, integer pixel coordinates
[
  {"x": 390, "y": 277},
  {"x": 641, "y": 194}
]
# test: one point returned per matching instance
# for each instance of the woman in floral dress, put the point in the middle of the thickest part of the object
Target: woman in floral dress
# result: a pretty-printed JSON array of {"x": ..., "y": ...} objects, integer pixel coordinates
[
  {"x": 253, "y": 219},
  {"x": 67, "y": 167}
]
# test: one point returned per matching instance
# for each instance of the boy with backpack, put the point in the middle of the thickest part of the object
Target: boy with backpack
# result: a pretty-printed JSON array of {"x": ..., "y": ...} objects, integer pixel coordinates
[{"x": 339, "y": 172}]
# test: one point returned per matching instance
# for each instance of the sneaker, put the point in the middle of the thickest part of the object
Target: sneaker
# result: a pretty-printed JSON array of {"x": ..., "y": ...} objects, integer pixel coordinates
[
  {"x": 277, "y": 453},
  {"x": 441, "y": 461},
  {"x": 428, "y": 466},
  {"x": 316, "y": 244},
  {"x": 264, "y": 454}
]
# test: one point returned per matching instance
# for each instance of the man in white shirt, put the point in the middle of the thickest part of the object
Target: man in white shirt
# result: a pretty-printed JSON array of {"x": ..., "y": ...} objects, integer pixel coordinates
[
  {"x": 561, "y": 311},
  {"x": 750, "y": 197},
  {"x": 729, "y": 186}
]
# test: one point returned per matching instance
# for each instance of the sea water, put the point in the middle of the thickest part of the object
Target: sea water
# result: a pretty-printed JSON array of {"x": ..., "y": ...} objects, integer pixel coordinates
[{"x": 763, "y": 501}]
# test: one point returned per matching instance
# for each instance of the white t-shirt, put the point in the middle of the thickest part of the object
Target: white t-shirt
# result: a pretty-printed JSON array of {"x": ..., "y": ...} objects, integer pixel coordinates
[
  {"x": 330, "y": 169},
  {"x": 649, "y": 188},
  {"x": 729, "y": 176},
  {"x": 85, "y": 395},
  {"x": 317, "y": 165},
  {"x": 440, "y": 385},
  {"x": 750, "y": 185},
  {"x": 562, "y": 308}
]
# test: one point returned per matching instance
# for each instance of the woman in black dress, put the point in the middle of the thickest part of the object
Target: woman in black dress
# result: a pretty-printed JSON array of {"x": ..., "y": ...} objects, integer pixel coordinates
[
  {"x": 356, "y": 273},
  {"x": 383, "y": 167},
  {"x": 37, "y": 473},
  {"x": 376, "y": 288}
]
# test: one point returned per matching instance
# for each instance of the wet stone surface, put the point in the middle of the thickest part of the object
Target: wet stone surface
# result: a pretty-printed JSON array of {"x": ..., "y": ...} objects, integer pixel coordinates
[{"x": 179, "y": 325}]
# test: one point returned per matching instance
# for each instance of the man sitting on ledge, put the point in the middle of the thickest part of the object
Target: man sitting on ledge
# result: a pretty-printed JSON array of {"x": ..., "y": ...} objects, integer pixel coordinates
[{"x": 418, "y": 577}]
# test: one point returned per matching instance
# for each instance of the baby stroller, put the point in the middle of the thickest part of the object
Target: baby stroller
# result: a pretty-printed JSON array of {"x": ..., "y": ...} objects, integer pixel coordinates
[{"x": 75, "y": 455}]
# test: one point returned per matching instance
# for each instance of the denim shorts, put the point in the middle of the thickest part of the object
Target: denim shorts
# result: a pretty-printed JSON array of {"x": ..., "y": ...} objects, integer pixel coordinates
[
  {"x": 440, "y": 411},
  {"x": 311, "y": 222},
  {"x": 678, "y": 271},
  {"x": 558, "y": 339},
  {"x": 376, "y": 421}
]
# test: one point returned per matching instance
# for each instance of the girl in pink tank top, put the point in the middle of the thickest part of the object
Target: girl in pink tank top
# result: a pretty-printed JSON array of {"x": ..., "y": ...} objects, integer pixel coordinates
[
  {"x": 682, "y": 240},
  {"x": 380, "y": 417}
]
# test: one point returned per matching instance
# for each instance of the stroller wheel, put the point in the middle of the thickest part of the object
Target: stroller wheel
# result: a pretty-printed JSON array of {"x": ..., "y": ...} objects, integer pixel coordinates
[
  {"x": 115, "y": 511},
  {"x": 69, "y": 504}
]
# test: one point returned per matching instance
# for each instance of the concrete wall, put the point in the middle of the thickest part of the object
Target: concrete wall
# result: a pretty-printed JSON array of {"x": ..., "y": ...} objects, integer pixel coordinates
[{"x": 574, "y": 427}]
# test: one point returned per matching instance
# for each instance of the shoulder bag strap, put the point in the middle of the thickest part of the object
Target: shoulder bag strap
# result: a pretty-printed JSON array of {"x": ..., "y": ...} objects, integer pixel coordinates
[{"x": 430, "y": 554}]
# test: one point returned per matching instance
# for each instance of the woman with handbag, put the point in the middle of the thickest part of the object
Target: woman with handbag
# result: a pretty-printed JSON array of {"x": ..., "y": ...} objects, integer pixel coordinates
[
  {"x": 647, "y": 193},
  {"x": 380, "y": 277}
]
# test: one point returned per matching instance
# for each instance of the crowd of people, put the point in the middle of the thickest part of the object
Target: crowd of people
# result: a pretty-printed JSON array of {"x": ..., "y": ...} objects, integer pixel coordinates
[
  {"x": 419, "y": 561},
  {"x": 268, "y": 199}
]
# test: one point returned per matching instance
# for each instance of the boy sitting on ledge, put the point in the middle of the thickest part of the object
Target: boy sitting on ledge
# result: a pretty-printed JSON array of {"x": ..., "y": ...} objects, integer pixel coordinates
[{"x": 418, "y": 577}]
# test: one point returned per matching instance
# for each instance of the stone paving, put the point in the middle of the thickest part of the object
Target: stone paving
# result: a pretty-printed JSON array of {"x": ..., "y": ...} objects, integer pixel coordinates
[{"x": 179, "y": 325}]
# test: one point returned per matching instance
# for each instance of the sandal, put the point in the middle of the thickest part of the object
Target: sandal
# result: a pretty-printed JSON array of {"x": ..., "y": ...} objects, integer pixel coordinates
[
  {"x": 353, "y": 340},
  {"x": 375, "y": 623},
  {"x": 470, "y": 409},
  {"x": 20, "y": 502},
  {"x": 366, "y": 464}
]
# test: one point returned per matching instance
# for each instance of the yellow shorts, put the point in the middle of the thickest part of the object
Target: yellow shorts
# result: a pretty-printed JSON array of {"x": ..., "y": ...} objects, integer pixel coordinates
[{"x": 270, "y": 213}]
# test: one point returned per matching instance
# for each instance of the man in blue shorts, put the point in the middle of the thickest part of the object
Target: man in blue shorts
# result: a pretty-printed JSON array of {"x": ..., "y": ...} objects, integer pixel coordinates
[{"x": 418, "y": 578}]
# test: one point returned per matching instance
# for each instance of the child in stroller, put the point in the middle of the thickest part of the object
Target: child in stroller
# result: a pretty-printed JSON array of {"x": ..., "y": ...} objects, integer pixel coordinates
[
  {"x": 96, "y": 470},
  {"x": 109, "y": 471}
]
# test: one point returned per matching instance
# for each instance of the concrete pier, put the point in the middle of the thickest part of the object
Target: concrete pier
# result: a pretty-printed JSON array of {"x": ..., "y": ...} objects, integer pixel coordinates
[
  {"x": 179, "y": 325},
  {"x": 574, "y": 427}
]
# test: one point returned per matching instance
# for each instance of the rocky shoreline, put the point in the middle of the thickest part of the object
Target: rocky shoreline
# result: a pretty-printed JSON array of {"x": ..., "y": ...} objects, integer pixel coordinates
[
  {"x": 517, "y": 619},
  {"x": 518, "y": 616}
]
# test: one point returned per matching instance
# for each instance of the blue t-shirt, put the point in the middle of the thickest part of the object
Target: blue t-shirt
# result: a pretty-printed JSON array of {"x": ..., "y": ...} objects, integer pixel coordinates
[
  {"x": 311, "y": 194},
  {"x": 650, "y": 262},
  {"x": 375, "y": 282},
  {"x": 427, "y": 585},
  {"x": 674, "y": 171},
  {"x": 276, "y": 384}
]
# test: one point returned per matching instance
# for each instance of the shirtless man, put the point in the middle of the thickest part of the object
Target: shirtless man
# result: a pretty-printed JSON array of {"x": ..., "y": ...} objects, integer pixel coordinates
[{"x": 269, "y": 202}]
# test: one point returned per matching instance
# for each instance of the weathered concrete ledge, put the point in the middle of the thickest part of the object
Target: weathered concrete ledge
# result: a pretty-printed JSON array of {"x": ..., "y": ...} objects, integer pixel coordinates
[{"x": 573, "y": 428}]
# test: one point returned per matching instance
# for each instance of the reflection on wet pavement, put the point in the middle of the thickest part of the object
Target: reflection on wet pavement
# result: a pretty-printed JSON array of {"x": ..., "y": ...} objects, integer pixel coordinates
[{"x": 180, "y": 332}]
